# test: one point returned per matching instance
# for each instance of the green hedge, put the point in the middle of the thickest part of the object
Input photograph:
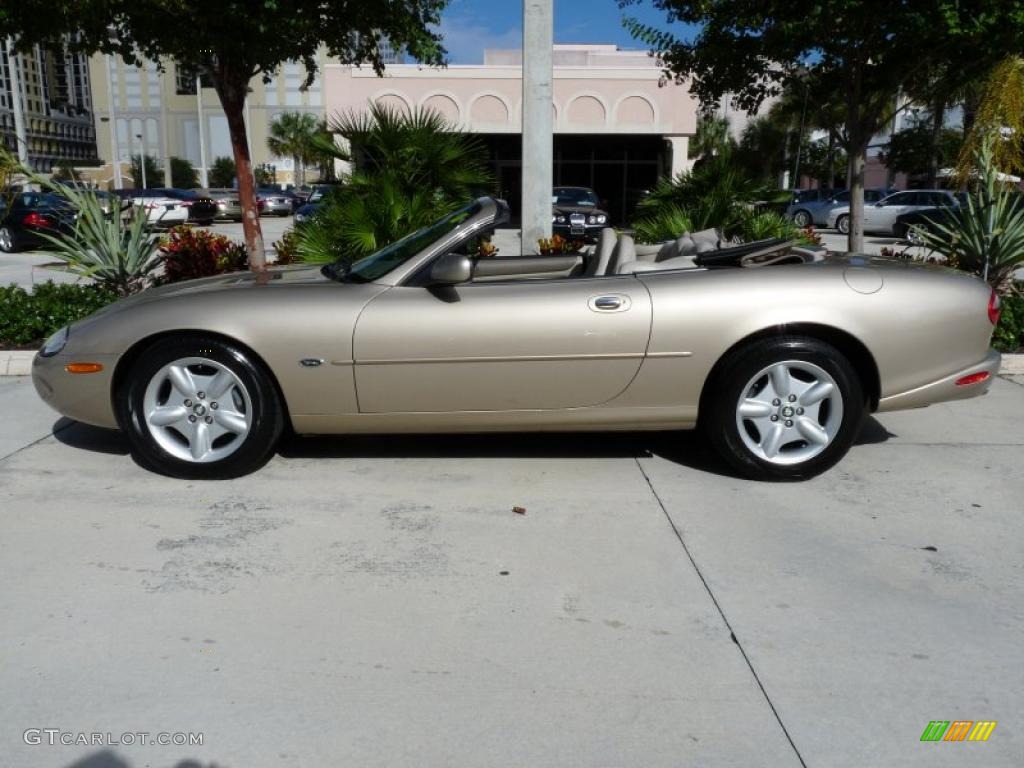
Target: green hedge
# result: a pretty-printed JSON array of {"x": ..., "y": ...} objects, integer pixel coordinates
[
  {"x": 1009, "y": 335},
  {"x": 27, "y": 319}
]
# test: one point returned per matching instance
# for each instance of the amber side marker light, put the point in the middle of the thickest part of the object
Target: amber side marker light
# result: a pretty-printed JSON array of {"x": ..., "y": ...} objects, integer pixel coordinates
[
  {"x": 974, "y": 378},
  {"x": 83, "y": 367}
]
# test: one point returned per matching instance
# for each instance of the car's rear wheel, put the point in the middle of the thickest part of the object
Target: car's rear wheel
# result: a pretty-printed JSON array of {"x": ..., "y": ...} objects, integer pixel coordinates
[
  {"x": 198, "y": 407},
  {"x": 8, "y": 243},
  {"x": 913, "y": 235},
  {"x": 802, "y": 219},
  {"x": 843, "y": 224},
  {"x": 785, "y": 408}
]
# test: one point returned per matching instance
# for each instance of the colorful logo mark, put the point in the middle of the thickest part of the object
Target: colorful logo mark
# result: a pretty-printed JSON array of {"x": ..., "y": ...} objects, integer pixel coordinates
[{"x": 958, "y": 730}]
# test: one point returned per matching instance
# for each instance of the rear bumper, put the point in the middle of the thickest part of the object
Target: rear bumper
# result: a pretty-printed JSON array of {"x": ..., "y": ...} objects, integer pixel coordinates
[{"x": 945, "y": 389}]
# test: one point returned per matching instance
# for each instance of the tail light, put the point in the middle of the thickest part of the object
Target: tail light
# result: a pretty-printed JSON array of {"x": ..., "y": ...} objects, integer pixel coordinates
[
  {"x": 994, "y": 306},
  {"x": 35, "y": 220},
  {"x": 974, "y": 378}
]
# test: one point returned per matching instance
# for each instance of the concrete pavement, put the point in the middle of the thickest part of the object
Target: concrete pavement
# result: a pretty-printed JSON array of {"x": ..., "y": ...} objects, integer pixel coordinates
[{"x": 375, "y": 601}]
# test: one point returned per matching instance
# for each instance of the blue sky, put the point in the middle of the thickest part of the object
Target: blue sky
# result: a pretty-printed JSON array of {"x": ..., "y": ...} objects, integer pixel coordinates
[{"x": 469, "y": 26}]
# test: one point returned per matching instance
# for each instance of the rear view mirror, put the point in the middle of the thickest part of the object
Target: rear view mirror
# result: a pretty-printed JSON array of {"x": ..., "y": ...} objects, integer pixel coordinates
[{"x": 451, "y": 269}]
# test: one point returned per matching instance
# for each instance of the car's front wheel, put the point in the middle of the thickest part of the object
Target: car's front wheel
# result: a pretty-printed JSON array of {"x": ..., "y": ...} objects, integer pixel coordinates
[
  {"x": 197, "y": 407},
  {"x": 785, "y": 408},
  {"x": 843, "y": 224},
  {"x": 802, "y": 219}
]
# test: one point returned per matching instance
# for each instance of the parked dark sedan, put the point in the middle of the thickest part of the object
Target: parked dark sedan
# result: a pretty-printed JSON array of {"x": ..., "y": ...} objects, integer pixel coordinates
[
  {"x": 576, "y": 213},
  {"x": 24, "y": 216},
  {"x": 909, "y": 225}
]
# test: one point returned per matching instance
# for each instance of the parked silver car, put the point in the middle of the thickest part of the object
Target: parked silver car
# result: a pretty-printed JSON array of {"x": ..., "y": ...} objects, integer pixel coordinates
[
  {"x": 806, "y": 210},
  {"x": 881, "y": 216},
  {"x": 229, "y": 207}
]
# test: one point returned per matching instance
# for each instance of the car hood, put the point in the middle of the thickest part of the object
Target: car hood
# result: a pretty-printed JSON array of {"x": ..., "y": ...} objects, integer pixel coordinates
[
  {"x": 234, "y": 281},
  {"x": 585, "y": 209}
]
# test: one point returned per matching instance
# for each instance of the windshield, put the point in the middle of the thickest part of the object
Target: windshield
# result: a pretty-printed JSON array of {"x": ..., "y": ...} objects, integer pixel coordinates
[
  {"x": 376, "y": 265},
  {"x": 573, "y": 196}
]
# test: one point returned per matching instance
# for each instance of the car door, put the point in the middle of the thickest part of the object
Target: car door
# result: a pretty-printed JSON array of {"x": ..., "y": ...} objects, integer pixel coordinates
[
  {"x": 501, "y": 346},
  {"x": 882, "y": 216}
]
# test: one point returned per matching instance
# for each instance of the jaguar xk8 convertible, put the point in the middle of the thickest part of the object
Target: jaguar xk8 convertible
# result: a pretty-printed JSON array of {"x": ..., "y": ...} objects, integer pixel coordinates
[{"x": 777, "y": 352}]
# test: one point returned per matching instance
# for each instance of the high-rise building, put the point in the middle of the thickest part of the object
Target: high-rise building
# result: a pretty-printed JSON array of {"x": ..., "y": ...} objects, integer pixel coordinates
[{"x": 56, "y": 106}]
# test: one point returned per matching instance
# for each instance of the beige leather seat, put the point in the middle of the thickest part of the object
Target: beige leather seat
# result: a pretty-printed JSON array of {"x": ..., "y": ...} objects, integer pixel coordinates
[
  {"x": 598, "y": 265},
  {"x": 624, "y": 251}
]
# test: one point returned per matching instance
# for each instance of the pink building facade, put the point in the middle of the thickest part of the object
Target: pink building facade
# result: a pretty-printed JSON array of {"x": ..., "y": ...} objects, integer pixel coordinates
[{"x": 617, "y": 128}]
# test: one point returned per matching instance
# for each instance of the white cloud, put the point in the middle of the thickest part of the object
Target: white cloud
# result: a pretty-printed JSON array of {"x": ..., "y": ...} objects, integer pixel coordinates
[{"x": 466, "y": 38}]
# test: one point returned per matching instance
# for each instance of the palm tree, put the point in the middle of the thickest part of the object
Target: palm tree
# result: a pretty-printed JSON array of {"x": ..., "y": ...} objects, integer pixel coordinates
[
  {"x": 291, "y": 135},
  {"x": 999, "y": 118},
  {"x": 712, "y": 137}
]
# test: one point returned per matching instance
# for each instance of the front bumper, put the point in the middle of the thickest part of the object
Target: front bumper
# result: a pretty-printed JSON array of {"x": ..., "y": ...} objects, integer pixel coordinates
[
  {"x": 83, "y": 397},
  {"x": 589, "y": 233},
  {"x": 946, "y": 389}
]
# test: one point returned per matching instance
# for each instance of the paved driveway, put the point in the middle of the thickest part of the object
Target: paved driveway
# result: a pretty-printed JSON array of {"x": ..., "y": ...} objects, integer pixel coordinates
[{"x": 376, "y": 601}]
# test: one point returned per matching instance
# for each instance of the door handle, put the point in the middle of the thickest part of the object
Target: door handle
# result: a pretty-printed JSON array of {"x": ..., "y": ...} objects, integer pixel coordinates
[{"x": 610, "y": 303}]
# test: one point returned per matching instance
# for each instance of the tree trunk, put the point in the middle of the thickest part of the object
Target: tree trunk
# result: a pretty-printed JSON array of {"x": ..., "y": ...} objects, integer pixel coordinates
[
  {"x": 858, "y": 132},
  {"x": 938, "y": 118},
  {"x": 231, "y": 89},
  {"x": 830, "y": 160}
]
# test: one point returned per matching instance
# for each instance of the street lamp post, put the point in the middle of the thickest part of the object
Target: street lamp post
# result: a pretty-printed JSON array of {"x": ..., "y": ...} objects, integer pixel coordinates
[{"x": 142, "y": 158}]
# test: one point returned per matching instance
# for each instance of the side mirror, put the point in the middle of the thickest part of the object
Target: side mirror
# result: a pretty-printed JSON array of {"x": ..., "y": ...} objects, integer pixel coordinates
[{"x": 451, "y": 269}]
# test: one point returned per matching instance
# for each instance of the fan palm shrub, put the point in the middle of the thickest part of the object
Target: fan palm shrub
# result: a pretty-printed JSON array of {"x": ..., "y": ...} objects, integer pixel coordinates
[
  {"x": 411, "y": 169},
  {"x": 986, "y": 236},
  {"x": 116, "y": 250}
]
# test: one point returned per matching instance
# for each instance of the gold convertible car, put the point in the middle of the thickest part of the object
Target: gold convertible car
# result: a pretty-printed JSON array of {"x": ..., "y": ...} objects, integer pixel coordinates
[{"x": 777, "y": 352}]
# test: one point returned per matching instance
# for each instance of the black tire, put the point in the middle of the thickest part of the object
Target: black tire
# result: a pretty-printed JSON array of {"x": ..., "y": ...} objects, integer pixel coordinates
[
  {"x": 267, "y": 414},
  {"x": 843, "y": 224},
  {"x": 802, "y": 219},
  {"x": 719, "y": 418}
]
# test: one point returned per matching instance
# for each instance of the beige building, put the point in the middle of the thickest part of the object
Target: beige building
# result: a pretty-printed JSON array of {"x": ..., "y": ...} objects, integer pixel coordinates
[
  {"x": 160, "y": 113},
  {"x": 617, "y": 127}
]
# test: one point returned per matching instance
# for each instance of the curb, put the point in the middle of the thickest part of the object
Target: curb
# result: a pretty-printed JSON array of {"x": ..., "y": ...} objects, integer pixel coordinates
[
  {"x": 19, "y": 363},
  {"x": 16, "y": 362}
]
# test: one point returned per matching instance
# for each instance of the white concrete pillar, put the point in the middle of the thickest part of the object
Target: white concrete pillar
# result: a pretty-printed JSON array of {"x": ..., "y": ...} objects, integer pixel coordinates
[
  {"x": 204, "y": 175},
  {"x": 115, "y": 154},
  {"x": 538, "y": 146},
  {"x": 680, "y": 154},
  {"x": 17, "y": 104}
]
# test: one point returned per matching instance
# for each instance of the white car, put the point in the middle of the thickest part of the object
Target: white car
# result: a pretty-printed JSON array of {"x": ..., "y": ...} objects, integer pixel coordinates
[
  {"x": 881, "y": 217},
  {"x": 161, "y": 211}
]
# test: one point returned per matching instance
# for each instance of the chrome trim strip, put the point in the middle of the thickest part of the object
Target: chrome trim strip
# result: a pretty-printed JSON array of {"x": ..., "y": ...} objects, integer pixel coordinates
[
  {"x": 669, "y": 354},
  {"x": 516, "y": 359}
]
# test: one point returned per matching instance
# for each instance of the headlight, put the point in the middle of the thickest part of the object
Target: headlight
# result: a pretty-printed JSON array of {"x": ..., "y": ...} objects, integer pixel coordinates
[
  {"x": 560, "y": 219},
  {"x": 602, "y": 219},
  {"x": 55, "y": 343}
]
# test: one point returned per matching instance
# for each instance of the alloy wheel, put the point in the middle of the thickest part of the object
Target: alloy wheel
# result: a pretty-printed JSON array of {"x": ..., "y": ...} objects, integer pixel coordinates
[
  {"x": 6, "y": 240},
  {"x": 197, "y": 409},
  {"x": 789, "y": 412}
]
